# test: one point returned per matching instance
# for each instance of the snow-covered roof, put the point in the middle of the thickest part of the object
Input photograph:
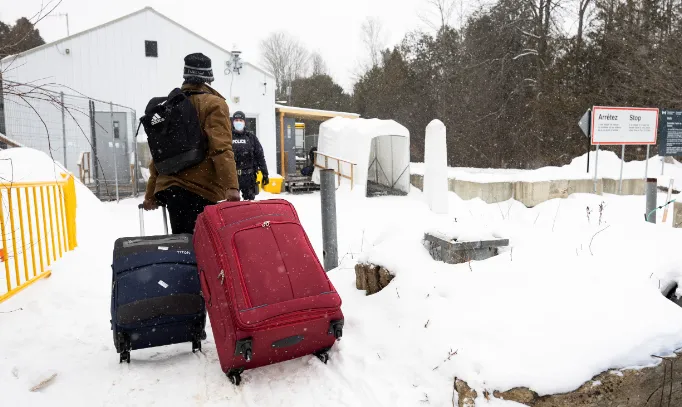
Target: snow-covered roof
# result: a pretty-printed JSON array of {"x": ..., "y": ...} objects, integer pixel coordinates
[
  {"x": 32, "y": 50},
  {"x": 369, "y": 128},
  {"x": 313, "y": 113}
]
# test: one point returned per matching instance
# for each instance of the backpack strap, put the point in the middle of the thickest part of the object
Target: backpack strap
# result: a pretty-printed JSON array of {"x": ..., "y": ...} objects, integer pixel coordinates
[{"x": 138, "y": 128}]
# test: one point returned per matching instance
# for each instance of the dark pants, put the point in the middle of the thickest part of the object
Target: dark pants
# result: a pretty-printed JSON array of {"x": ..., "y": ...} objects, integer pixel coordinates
[
  {"x": 183, "y": 208},
  {"x": 247, "y": 185}
]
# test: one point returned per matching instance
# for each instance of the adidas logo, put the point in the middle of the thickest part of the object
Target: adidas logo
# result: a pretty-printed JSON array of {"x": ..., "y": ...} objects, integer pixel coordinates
[{"x": 156, "y": 119}]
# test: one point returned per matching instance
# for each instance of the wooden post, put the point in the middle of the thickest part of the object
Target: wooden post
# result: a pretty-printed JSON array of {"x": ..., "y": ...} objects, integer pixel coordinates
[{"x": 352, "y": 181}]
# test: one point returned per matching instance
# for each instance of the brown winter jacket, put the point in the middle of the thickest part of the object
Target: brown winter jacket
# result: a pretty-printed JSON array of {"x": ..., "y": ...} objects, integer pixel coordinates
[{"x": 217, "y": 173}]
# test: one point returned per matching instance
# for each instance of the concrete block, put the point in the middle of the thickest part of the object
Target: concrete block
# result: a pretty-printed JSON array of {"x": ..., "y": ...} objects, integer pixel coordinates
[
  {"x": 454, "y": 252},
  {"x": 558, "y": 189},
  {"x": 584, "y": 186},
  {"x": 677, "y": 215},
  {"x": 532, "y": 193},
  {"x": 630, "y": 186},
  {"x": 417, "y": 181},
  {"x": 489, "y": 192}
]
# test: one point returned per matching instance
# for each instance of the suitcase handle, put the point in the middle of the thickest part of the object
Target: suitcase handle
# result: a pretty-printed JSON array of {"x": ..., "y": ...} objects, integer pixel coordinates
[{"x": 165, "y": 219}]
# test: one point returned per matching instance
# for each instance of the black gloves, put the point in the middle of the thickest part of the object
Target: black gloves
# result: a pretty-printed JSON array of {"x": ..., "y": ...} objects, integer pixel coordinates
[{"x": 266, "y": 180}]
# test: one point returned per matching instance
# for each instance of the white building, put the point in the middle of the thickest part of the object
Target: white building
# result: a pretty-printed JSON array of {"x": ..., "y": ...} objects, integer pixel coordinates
[{"x": 126, "y": 61}]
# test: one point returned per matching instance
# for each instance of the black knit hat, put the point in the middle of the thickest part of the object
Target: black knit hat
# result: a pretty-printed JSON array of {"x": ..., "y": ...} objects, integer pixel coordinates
[
  {"x": 239, "y": 115},
  {"x": 198, "y": 68}
]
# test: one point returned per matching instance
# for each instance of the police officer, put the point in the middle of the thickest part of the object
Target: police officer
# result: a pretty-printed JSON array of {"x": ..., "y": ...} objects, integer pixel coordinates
[{"x": 248, "y": 154}]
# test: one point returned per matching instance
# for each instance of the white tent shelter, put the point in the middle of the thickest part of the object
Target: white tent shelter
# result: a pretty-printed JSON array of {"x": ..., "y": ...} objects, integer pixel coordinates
[{"x": 372, "y": 153}]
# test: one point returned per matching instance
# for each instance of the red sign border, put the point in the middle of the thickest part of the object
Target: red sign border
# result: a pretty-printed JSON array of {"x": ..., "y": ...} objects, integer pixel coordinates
[{"x": 648, "y": 109}]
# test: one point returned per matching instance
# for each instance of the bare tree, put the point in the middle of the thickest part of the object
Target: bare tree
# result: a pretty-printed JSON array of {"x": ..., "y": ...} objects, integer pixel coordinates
[
  {"x": 373, "y": 38},
  {"x": 583, "y": 6},
  {"x": 443, "y": 10},
  {"x": 317, "y": 64},
  {"x": 285, "y": 57}
]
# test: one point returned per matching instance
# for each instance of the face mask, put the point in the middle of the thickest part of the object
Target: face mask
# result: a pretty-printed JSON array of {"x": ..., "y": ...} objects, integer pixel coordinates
[{"x": 239, "y": 126}]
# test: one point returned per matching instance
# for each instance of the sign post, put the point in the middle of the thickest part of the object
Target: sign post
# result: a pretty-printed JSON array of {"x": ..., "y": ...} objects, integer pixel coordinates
[
  {"x": 622, "y": 162},
  {"x": 646, "y": 162},
  {"x": 624, "y": 126},
  {"x": 584, "y": 125}
]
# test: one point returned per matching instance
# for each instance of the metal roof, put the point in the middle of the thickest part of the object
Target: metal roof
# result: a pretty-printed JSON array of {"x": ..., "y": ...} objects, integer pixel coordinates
[
  {"x": 315, "y": 114},
  {"x": 38, "y": 48}
]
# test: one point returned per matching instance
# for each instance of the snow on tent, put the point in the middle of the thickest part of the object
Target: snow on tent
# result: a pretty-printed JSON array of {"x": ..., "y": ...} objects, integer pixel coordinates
[{"x": 373, "y": 154}]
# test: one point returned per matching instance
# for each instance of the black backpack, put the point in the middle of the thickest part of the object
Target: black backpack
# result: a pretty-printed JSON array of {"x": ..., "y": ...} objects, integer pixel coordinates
[{"x": 174, "y": 132}]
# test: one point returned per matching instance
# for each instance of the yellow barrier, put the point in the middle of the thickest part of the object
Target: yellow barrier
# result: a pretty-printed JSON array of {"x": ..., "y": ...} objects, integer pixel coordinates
[{"x": 42, "y": 227}]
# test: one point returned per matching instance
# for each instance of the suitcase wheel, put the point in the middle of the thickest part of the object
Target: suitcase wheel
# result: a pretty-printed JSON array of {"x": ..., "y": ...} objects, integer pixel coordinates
[
  {"x": 125, "y": 357},
  {"x": 336, "y": 328},
  {"x": 196, "y": 345},
  {"x": 244, "y": 347},
  {"x": 323, "y": 355},
  {"x": 123, "y": 346},
  {"x": 235, "y": 376}
]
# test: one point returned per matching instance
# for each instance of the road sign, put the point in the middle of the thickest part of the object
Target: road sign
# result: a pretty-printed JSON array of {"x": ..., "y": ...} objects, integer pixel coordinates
[
  {"x": 624, "y": 125},
  {"x": 584, "y": 123},
  {"x": 670, "y": 140}
]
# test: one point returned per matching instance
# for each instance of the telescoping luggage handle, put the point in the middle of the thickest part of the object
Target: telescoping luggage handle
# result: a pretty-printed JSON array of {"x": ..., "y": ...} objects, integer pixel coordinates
[{"x": 165, "y": 219}]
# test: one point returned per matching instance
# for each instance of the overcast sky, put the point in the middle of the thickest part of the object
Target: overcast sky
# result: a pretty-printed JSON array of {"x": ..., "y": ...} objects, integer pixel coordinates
[{"x": 330, "y": 27}]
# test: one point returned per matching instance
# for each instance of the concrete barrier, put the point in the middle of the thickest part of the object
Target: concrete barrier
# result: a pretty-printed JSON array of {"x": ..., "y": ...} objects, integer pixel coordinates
[
  {"x": 533, "y": 193},
  {"x": 677, "y": 215}
]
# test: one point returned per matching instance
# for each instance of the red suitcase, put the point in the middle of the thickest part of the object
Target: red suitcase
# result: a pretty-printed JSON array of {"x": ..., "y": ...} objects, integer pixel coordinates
[{"x": 267, "y": 296}]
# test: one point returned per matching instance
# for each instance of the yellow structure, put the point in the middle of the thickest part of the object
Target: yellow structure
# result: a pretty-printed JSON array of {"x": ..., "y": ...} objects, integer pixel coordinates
[
  {"x": 275, "y": 185},
  {"x": 38, "y": 225},
  {"x": 301, "y": 113}
]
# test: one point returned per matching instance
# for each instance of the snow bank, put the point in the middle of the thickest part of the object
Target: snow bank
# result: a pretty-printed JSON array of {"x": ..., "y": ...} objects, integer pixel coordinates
[
  {"x": 568, "y": 299},
  {"x": 29, "y": 165},
  {"x": 609, "y": 167},
  {"x": 549, "y": 313}
]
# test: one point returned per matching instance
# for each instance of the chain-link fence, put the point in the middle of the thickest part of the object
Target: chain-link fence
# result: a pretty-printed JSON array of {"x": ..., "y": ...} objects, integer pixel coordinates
[{"x": 93, "y": 139}]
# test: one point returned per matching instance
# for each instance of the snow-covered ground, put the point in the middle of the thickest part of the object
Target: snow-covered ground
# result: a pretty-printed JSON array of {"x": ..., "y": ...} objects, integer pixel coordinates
[
  {"x": 609, "y": 167},
  {"x": 570, "y": 298}
]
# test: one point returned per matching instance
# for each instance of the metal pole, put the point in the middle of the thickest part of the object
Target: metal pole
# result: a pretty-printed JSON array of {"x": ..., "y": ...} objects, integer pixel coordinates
[
  {"x": 596, "y": 167},
  {"x": 328, "y": 200},
  {"x": 141, "y": 210},
  {"x": 95, "y": 159},
  {"x": 61, "y": 95},
  {"x": 651, "y": 195},
  {"x": 136, "y": 169},
  {"x": 646, "y": 163},
  {"x": 622, "y": 161},
  {"x": 165, "y": 220},
  {"x": 589, "y": 145},
  {"x": 113, "y": 144}
]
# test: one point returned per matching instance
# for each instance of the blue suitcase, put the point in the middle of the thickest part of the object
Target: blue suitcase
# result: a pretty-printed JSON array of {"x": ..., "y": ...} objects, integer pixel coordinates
[{"x": 156, "y": 297}]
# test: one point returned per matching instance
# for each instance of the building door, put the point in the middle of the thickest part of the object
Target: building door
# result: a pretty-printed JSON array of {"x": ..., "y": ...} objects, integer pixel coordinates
[{"x": 109, "y": 145}]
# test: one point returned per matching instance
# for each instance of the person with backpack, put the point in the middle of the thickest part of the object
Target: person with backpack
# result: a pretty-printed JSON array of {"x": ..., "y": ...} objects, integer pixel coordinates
[
  {"x": 190, "y": 138},
  {"x": 248, "y": 153}
]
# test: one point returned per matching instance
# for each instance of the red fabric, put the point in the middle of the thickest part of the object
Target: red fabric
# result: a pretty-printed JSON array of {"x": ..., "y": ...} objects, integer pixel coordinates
[{"x": 273, "y": 286}]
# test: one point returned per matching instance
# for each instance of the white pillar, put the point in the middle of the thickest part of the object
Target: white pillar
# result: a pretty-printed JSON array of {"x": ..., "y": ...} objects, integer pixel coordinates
[{"x": 436, "y": 168}]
